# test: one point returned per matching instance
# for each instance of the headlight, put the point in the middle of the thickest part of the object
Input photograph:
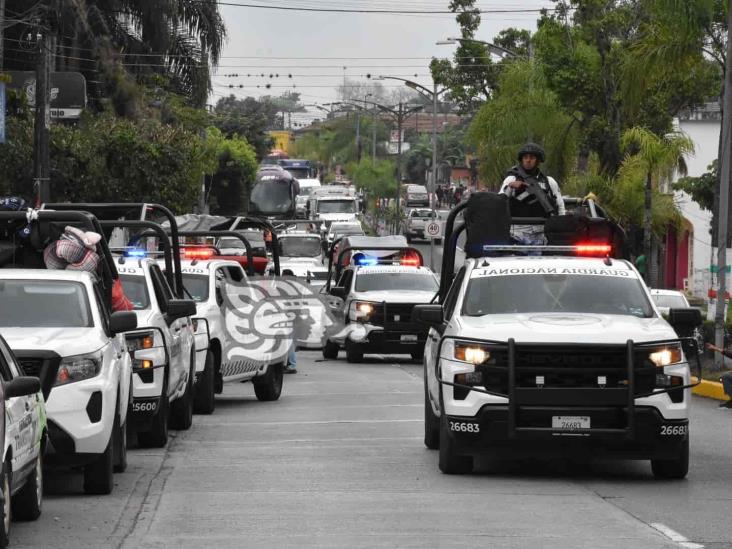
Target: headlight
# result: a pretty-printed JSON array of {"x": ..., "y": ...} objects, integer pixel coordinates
[
  {"x": 78, "y": 368},
  {"x": 361, "y": 311},
  {"x": 142, "y": 340},
  {"x": 665, "y": 356},
  {"x": 471, "y": 353}
]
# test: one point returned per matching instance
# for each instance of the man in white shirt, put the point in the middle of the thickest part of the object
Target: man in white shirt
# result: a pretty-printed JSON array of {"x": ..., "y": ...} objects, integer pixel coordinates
[{"x": 531, "y": 194}]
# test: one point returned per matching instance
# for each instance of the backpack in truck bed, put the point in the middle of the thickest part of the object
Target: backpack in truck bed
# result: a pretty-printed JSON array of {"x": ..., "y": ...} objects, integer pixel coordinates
[{"x": 487, "y": 222}]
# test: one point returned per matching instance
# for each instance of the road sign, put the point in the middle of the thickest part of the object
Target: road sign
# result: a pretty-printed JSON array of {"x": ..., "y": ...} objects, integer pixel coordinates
[{"x": 434, "y": 229}]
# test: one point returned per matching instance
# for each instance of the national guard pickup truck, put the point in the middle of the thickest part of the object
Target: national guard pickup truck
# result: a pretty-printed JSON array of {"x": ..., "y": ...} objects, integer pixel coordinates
[{"x": 554, "y": 350}]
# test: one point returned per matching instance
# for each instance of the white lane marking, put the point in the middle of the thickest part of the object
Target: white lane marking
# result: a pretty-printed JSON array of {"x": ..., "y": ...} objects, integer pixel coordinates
[{"x": 674, "y": 536}]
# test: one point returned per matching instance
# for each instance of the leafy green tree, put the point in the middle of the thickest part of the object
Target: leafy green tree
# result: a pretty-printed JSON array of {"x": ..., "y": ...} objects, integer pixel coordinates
[
  {"x": 248, "y": 118},
  {"x": 519, "y": 113},
  {"x": 660, "y": 157},
  {"x": 374, "y": 179},
  {"x": 701, "y": 189},
  {"x": 472, "y": 75},
  {"x": 236, "y": 170}
]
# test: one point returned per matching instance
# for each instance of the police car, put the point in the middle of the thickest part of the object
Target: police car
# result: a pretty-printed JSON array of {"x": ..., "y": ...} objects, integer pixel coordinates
[
  {"x": 204, "y": 279},
  {"x": 562, "y": 354},
  {"x": 62, "y": 321},
  {"x": 301, "y": 256},
  {"x": 164, "y": 354},
  {"x": 25, "y": 435},
  {"x": 380, "y": 287}
]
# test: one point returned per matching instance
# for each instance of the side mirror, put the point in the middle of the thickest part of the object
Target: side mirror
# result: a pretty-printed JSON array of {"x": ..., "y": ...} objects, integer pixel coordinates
[
  {"x": 431, "y": 315},
  {"x": 122, "y": 321},
  {"x": 684, "y": 320},
  {"x": 338, "y": 291},
  {"x": 180, "y": 308},
  {"x": 22, "y": 386}
]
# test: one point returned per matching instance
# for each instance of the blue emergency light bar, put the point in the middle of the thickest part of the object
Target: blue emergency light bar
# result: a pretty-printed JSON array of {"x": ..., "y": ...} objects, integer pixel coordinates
[{"x": 136, "y": 253}]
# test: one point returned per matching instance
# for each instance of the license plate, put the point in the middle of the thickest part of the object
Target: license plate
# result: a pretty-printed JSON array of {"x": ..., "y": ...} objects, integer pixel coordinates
[
  {"x": 408, "y": 338},
  {"x": 570, "y": 423}
]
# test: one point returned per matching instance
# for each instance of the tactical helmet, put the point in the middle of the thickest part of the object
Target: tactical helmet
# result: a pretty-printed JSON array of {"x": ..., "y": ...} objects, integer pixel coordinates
[{"x": 531, "y": 148}]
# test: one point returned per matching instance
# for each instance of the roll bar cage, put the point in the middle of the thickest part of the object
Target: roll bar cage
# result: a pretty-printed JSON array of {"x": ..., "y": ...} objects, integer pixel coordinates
[
  {"x": 228, "y": 234},
  {"x": 242, "y": 221},
  {"x": 343, "y": 252},
  {"x": 169, "y": 249},
  {"x": 82, "y": 219},
  {"x": 120, "y": 209}
]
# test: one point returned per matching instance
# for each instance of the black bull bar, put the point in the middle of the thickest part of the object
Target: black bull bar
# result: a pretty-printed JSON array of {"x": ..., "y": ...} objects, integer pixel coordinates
[{"x": 575, "y": 396}]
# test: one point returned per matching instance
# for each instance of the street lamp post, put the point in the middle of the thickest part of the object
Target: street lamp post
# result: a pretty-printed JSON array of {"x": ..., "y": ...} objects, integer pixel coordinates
[
  {"x": 400, "y": 114},
  {"x": 432, "y": 185}
]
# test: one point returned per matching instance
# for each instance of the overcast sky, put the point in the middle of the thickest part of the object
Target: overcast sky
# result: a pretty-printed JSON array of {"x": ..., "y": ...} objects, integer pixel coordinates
[{"x": 314, "y": 47}]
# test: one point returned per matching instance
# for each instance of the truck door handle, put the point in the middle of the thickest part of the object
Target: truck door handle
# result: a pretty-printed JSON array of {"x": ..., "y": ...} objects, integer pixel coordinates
[{"x": 27, "y": 406}]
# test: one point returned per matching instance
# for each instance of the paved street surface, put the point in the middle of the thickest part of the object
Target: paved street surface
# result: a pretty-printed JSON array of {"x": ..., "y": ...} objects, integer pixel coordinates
[{"x": 339, "y": 462}]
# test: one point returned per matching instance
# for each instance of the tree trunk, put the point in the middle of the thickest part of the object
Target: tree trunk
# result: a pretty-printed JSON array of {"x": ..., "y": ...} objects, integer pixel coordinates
[
  {"x": 647, "y": 226},
  {"x": 583, "y": 160}
]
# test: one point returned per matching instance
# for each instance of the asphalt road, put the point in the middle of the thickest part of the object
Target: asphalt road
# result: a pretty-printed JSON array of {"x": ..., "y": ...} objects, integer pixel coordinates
[{"x": 338, "y": 461}]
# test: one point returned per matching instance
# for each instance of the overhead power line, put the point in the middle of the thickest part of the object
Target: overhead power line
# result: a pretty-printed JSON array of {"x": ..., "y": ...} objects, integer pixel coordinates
[{"x": 385, "y": 11}]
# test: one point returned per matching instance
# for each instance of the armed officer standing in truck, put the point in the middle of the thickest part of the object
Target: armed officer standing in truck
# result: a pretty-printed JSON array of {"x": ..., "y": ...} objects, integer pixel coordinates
[{"x": 531, "y": 194}]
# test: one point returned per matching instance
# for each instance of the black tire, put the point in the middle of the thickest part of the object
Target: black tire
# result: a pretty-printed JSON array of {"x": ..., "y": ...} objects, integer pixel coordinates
[
  {"x": 98, "y": 476},
  {"x": 673, "y": 469},
  {"x": 181, "y": 410},
  {"x": 330, "y": 350},
  {"x": 27, "y": 503},
  {"x": 6, "y": 506},
  {"x": 450, "y": 462},
  {"x": 205, "y": 401},
  {"x": 354, "y": 352},
  {"x": 157, "y": 435},
  {"x": 269, "y": 386},
  {"x": 409, "y": 239},
  {"x": 120, "y": 445},
  {"x": 431, "y": 425}
]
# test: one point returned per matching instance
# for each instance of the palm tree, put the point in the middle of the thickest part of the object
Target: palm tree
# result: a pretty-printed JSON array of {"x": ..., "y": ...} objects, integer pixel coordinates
[
  {"x": 178, "y": 40},
  {"x": 660, "y": 158}
]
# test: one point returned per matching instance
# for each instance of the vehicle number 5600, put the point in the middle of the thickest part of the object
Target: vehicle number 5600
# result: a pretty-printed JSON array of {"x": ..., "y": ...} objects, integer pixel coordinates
[
  {"x": 462, "y": 427},
  {"x": 144, "y": 406},
  {"x": 674, "y": 430}
]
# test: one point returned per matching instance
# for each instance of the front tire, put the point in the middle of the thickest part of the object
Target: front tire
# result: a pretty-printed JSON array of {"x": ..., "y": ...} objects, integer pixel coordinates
[
  {"x": 181, "y": 410},
  {"x": 27, "y": 503},
  {"x": 7, "y": 513},
  {"x": 330, "y": 350},
  {"x": 205, "y": 401},
  {"x": 354, "y": 352},
  {"x": 673, "y": 469},
  {"x": 269, "y": 386},
  {"x": 120, "y": 445},
  {"x": 431, "y": 424},
  {"x": 450, "y": 462},
  {"x": 98, "y": 476},
  {"x": 157, "y": 435}
]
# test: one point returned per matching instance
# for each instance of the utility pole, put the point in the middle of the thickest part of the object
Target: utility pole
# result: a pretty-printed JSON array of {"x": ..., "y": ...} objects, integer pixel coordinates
[
  {"x": 2, "y": 34},
  {"x": 373, "y": 138},
  {"x": 400, "y": 121},
  {"x": 358, "y": 136},
  {"x": 432, "y": 188},
  {"x": 42, "y": 128},
  {"x": 725, "y": 169}
]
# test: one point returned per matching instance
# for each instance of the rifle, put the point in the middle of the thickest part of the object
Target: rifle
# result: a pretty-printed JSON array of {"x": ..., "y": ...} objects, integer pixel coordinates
[{"x": 534, "y": 189}]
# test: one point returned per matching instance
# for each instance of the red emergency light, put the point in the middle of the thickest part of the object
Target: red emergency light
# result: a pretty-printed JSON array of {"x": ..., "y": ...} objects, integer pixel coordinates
[
  {"x": 197, "y": 253},
  {"x": 713, "y": 294},
  {"x": 594, "y": 250}
]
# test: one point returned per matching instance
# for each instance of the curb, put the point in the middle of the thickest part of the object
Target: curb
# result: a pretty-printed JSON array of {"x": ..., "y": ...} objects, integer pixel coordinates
[{"x": 709, "y": 389}]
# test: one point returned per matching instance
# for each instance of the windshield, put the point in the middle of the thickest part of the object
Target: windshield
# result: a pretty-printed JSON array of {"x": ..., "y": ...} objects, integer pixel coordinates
[
  {"x": 672, "y": 301},
  {"x": 299, "y": 173},
  {"x": 336, "y": 206},
  {"x": 611, "y": 295},
  {"x": 422, "y": 213},
  {"x": 44, "y": 304},
  {"x": 300, "y": 246},
  {"x": 196, "y": 286},
  {"x": 371, "y": 282},
  {"x": 135, "y": 289},
  {"x": 273, "y": 196}
]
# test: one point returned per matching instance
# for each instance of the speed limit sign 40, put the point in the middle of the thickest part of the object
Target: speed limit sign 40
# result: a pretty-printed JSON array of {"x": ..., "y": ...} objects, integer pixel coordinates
[{"x": 434, "y": 229}]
